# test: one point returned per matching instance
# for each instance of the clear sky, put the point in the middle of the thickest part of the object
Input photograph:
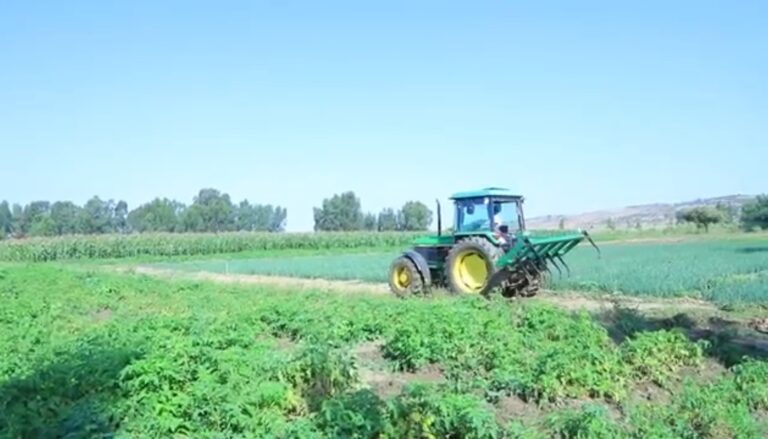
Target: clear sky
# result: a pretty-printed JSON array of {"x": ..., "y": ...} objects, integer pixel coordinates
[{"x": 577, "y": 105}]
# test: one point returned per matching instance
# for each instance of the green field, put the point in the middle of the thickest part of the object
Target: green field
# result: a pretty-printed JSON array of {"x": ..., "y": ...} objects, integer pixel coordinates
[
  {"x": 724, "y": 270},
  {"x": 90, "y": 354}
]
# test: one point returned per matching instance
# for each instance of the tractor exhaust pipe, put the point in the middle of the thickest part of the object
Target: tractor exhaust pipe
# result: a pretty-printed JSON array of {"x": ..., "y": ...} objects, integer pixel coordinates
[{"x": 439, "y": 219}]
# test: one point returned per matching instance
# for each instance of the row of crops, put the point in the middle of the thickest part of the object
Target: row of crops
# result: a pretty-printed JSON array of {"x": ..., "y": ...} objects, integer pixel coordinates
[
  {"x": 98, "y": 355},
  {"x": 719, "y": 270},
  {"x": 188, "y": 244}
]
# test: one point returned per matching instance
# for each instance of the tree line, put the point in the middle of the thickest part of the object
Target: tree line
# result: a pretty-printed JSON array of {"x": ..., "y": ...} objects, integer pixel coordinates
[
  {"x": 343, "y": 212},
  {"x": 210, "y": 211},
  {"x": 753, "y": 215}
]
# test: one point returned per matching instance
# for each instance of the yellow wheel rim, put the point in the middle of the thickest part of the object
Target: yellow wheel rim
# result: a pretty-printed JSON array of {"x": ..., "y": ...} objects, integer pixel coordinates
[
  {"x": 401, "y": 277},
  {"x": 470, "y": 271}
]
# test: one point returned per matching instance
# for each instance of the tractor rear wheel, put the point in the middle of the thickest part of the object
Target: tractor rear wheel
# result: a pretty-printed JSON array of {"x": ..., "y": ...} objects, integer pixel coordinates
[
  {"x": 404, "y": 277},
  {"x": 470, "y": 264}
]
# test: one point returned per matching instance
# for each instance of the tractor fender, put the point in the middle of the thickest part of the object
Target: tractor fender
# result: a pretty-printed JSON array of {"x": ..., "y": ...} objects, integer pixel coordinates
[{"x": 421, "y": 265}]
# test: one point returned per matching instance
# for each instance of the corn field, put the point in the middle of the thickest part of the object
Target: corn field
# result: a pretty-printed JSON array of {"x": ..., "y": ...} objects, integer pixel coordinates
[{"x": 187, "y": 244}]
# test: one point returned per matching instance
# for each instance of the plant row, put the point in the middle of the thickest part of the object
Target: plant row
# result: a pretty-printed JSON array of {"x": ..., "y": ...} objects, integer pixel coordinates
[
  {"x": 94, "y": 355},
  {"x": 171, "y": 244}
]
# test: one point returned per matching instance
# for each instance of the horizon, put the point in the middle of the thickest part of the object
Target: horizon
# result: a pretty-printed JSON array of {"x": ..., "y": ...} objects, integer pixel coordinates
[{"x": 579, "y": 109}]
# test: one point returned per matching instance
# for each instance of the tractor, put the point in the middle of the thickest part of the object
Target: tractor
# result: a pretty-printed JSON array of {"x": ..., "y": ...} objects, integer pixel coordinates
[{"x": 487, "y": 250}]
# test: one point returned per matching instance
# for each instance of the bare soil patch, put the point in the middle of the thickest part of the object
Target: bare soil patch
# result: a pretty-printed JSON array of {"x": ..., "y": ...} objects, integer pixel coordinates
[
  {"x": 375, "y": 372},
  {"x": 574, "y": 300},
  {"x": 102, "y": 315},
  {"x": 510, "y": 408},
  {"x": 278, "y": 281}
]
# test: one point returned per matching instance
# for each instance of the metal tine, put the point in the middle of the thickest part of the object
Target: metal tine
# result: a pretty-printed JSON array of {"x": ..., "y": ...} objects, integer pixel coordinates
[
  {"x": 589, "y": 238},
  {"x": 559, "y": 271},
  {"x": 567, "y": 268}
]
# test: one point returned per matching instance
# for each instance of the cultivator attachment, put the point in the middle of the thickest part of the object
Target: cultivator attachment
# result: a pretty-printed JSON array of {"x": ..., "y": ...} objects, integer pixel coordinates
[{"x": 520, "y": 270}]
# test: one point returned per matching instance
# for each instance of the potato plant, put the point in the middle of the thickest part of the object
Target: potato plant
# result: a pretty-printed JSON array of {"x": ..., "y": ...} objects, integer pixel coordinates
[{"x": 90, "y": 354}]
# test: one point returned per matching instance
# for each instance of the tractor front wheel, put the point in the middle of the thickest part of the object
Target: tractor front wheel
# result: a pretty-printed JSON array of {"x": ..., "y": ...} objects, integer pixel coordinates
[
  {"x": 404, "y": 277},
  {"x": 470, "y": 265}
]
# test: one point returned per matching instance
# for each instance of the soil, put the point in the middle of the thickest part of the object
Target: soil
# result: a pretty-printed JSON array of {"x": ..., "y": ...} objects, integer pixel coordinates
[
  {"x": 102, "y": 315},
  {"x": 510, "y": 408},
  {"x": 375, "y": 372},
  {"x": 277, "y": 281},
  {"x": 568, "y": 300}
]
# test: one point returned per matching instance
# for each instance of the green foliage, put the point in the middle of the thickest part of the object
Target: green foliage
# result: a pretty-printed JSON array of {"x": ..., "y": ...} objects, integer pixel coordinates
[
  {"x": 424, "y": 412},
  {"x": 6, "y": 220},
  {"x": 87, "y": 355},
  {"x": 715, "y": 410},
  {"x": 755, "y": 215},
  {"x": 159, "y": 215},
  {"x": 369, "y": 222},
  {"x": 211, "y": 211},
  {"x": 387, "y": 221},
  {"x": 341, "y": 212},
  {"x": 702, "y": 216},
  {"x": 589, "y": 422},
  {"x": 658, "y": 355},
  {"x": 414, "y": 216},
  {"x": 168, "y": 244}
]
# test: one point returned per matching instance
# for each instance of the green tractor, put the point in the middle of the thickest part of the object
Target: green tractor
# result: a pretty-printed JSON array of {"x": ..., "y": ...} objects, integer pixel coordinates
[{"x": 489, "y": 249}]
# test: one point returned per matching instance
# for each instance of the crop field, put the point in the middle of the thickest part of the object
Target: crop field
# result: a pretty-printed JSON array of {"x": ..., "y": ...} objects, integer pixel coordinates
[
  {"x": 187, "y": 244},
  {"x": 89, "y": 353},
  {"x": 724, "y": 271}
]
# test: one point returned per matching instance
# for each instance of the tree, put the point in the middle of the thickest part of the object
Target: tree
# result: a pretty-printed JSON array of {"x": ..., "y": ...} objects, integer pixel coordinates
[
  {"x": 729, "y": 211},
  {"x": 17, "y": 217},
  {"x": 260, "y": 218},
  {"x": 6, "y": 220},
  {"x": 415, "y": 215},
  {"x": 387, "y": 220},
  {"x": 369, "y": 222},
  {"x": 754, "y": 215},
  {"x": 339, "y": 213},
  {"x": 96, "y": 216},
  {"x": 65, "y": 216},
  {"x": 43, "y": 226},
  {"x": 211, "y": 211},
  {"x": 120, "y": 217},
  {"x": 245, "y": 216},
  {"x": 278, "y": 219},
  {"x": 32, "y": 213},
  {"x": 159, "y": 215},
  {"x": 702, "y": 216}
]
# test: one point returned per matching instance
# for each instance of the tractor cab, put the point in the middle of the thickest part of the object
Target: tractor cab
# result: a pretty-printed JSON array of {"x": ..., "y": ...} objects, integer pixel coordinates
[{"x": 494, "y": 211}]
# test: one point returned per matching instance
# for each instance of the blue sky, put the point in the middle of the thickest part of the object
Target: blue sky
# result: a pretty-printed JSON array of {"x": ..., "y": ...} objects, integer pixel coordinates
[{"x": 578, "y": 105}]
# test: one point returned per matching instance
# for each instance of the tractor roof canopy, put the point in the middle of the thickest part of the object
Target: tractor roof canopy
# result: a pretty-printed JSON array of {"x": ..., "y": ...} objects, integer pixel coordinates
[{"x": 495, "y": 192}]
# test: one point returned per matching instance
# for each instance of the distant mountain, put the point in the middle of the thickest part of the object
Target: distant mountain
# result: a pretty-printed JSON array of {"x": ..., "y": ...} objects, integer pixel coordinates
[{"x": 648, "y": 215}]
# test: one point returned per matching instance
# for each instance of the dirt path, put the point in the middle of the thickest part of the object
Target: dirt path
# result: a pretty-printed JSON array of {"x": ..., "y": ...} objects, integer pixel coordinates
[
  {"x": 569, "y": 300},
  {"x": 277, "y": 281},
  {"x": 572, "y": 300}
]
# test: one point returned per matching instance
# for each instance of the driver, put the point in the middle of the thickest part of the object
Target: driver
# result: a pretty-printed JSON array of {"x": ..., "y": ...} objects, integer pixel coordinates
[{"x": 497, "y": 220}]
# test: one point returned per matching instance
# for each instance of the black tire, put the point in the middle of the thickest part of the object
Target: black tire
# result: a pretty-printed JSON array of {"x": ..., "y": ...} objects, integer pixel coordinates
[
  {"x": 459, "y": 283},
  {"x": 404, "y": 277}
]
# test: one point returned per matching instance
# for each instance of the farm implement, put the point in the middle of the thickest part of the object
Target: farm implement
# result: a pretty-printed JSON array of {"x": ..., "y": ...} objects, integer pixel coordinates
[{"x": 488, "y": 249}]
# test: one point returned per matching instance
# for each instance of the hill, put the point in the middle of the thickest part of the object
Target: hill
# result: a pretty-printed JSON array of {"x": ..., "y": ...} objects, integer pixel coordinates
[{"x": 648, "y": 215}]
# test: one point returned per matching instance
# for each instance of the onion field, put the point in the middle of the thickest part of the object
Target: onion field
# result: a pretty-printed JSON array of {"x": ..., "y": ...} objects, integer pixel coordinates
[{"x": 724, "y": 271}]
